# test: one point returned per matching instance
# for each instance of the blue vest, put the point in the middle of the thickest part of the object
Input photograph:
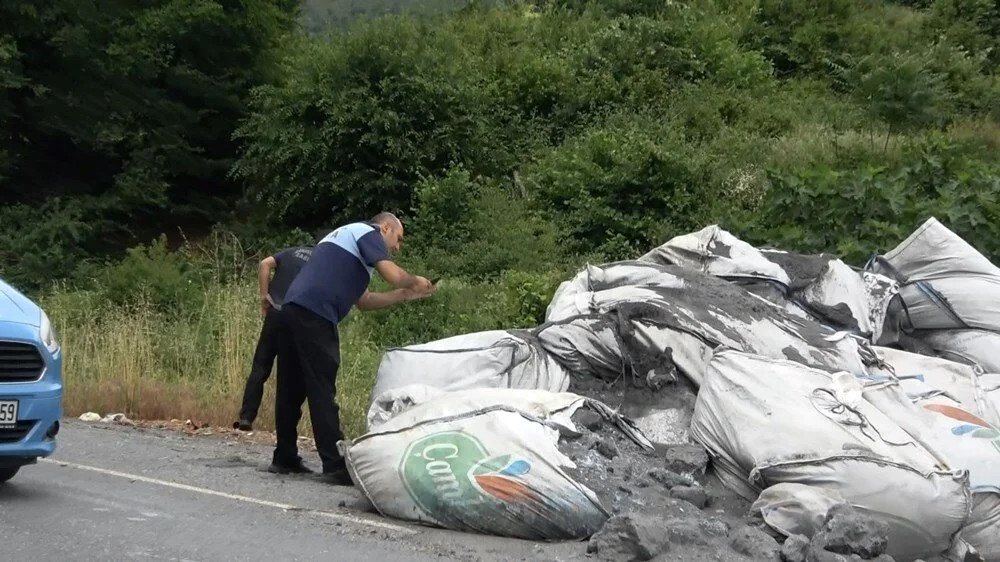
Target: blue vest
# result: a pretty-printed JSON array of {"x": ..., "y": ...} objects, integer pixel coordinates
[{"x": 339, "y": 271}]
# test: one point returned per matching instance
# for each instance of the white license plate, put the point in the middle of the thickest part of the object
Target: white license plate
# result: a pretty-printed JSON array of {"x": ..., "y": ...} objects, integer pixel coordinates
[{"x": 8, "y": 413}]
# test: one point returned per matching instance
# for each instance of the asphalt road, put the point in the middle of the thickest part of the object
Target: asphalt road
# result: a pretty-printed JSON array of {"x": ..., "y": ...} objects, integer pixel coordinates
[{"x": 114, "y": 493}]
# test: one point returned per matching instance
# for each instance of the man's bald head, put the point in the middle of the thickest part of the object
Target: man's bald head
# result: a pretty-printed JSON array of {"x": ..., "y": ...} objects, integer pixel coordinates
[
  {"x": 388, "y": 219},
  {"x": 391, "y": 228}
]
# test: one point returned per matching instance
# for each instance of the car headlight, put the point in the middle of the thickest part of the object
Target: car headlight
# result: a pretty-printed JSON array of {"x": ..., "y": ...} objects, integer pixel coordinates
[{"x": 48, "y": 334}]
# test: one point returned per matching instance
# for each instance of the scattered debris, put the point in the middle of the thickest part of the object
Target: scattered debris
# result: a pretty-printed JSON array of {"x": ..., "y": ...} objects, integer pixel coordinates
[
  {"x": 696, "y": 495},
  {"x": 670, "y": 479},
  {"x": 607, "y": 448},
  {"x": 588, "y": 419},
  {"x": 120, "y": 419},
  {"x": 849, "y": 532},
  {"x": 689, "y": 458},
  {"x": 755, "y": 543},
  {"x": 795, "y": 549},
  {"x": 629, "y": 538}
]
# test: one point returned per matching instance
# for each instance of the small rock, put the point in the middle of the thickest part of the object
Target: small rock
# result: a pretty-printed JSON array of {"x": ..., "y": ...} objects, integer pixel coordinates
[
  {"x": 688, "y": 458},
  {"x": 795, "y": 549},
  {"x": 715, "y": 526},
  {"x": 588, "y": 418},
  {"x": 685, "y": 531},
  {"x": 694, "y": 494},
  {"x": 607, "y": 448},
  {"x": 647, "y": 501},
  {"x": 849, "y": 532},
  {"x": 629, "y": 538},
  {"x": 754, "y": 543},
  {"x": 90, "y": 417},
  {"x": 669, "y": 478},
  {"x": 884, "y": 558}
]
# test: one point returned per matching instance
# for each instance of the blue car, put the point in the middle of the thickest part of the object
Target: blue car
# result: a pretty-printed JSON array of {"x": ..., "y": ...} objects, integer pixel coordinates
[{"x": 31, "y": 387}]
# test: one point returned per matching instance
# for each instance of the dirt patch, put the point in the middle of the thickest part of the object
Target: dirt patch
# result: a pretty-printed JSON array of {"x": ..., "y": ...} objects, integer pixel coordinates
[
  {"x": 846, "y": 535},
  {"x": 802, "y": 269},
  {"x": 669, "y": 489},
  {"x": 196, "y": 428},
  {"x": 838, "y": 315}
]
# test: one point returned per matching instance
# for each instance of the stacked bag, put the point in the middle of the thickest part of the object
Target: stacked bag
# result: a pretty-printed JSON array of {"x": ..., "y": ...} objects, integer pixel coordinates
[{"x": 818, "y": 384}]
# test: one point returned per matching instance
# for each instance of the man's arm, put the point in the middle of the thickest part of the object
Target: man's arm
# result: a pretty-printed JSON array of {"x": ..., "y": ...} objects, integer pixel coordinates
[
  {"x": 373, "y": 301},
  {"x": 399, "y": 277},
  {"x": 264, "y": 280}
]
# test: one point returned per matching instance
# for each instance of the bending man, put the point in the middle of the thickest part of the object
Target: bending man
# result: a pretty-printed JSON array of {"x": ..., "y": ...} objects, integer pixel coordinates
[{"x": 334, "y": 280}]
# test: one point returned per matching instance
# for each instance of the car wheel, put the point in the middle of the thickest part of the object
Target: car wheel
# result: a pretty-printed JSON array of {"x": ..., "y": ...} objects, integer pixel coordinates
[{"x": 8, "y": 473}]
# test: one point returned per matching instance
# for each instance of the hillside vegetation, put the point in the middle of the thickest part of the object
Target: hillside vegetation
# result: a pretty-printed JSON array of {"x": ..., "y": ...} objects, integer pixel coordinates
[{"x": 518, "y": 140}]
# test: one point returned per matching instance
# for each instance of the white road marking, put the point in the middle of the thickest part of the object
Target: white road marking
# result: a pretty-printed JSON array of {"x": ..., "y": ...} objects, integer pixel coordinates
[{"x": 283, "y": 506}]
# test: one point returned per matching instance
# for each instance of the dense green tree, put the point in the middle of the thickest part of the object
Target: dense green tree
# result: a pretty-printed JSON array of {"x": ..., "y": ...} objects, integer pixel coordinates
[{"x": 124, "y": 111}]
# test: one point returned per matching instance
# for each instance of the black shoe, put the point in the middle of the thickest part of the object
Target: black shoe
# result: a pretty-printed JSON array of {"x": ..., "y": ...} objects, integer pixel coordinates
[
  {"x": 243, "y": 425},
  {"x": 292, "y": 469},
  {"x": 338, "y": 477}
]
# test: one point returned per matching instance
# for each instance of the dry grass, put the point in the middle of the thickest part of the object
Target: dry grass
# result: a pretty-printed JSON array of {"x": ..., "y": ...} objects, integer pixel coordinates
[
  {"x": 150, "y": 365},
  {"x": 984, "y": 132},
  {"x": 817, "y": 144}
]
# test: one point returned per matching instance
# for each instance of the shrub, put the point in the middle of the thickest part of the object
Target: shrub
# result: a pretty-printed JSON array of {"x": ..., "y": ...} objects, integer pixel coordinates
[
  {"x": 860, "y": 210},
  {"x": 973, "y": 25},
  {"x": 156, "y": 276},
  {"x": 805, "y": 36},
  {"x": 900, "y": 90},
  {"x": 622, "y": 187},
  {"x": 529, "y": 295},
  {"x": 40, "y": 244},
  {"x": 357, "y": 118},
  {"x": 479, "y": 229}
]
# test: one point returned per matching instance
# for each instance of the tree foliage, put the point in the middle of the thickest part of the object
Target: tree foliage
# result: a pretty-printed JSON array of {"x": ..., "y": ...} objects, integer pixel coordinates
[
  {"x": 512, "y": 136},
  {"x": 125, "y": 110}
]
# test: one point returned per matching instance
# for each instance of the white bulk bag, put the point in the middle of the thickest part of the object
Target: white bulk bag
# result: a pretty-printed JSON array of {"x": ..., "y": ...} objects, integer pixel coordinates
[
  {"x": 972, "y": 347},
  {"x": 689, "y": 314},
  {"x": 491, "y": 359},
  {"x": 945, "y": 282},
  {"x": 818, "y": 286},
  {"x": 481, "y": 461},
  {"x": 767, "y": 422}
]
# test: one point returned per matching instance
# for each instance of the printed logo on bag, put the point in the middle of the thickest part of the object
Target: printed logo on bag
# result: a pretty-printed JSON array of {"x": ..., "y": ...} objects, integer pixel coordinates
[
  {"x": 972, "y": 425},
  {"x": 452, "y": 469}
]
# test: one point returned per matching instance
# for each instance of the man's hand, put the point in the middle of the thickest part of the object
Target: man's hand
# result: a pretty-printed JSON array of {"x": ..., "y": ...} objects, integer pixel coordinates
[
  {"x": 400, "y": 278},
  {"x": 423, "y": 285},
  {"x": 415, "y": 294},
  {"x": 374, "y": 301},
  {"x": 264, "y": 280}
]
